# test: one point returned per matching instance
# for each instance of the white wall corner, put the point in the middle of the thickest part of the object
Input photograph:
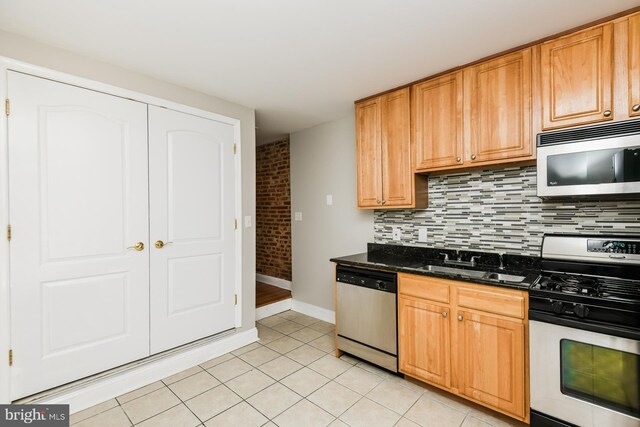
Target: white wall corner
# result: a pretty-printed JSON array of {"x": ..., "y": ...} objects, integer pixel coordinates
[
  {"x": 271, "y": 309},
  {"x": 313, "y": 311}
]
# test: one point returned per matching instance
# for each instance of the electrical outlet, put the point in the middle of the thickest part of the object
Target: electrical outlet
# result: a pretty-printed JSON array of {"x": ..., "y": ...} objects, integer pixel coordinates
[
  {"x": 329, "y": 200},
  {"x": 298, "y": 216},
  {"x": 397, "y": 234},
  {"x": 422, "y": 235}
]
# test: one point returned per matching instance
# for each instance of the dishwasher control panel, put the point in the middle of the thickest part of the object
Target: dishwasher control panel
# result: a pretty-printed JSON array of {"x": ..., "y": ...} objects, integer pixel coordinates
[{"x": 372, "y": 279}]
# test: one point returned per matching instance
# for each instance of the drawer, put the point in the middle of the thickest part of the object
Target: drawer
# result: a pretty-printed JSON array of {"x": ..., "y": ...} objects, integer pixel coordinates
[
  {"x": 492, "y": 300},
  {"x": 430, "y": 288}
]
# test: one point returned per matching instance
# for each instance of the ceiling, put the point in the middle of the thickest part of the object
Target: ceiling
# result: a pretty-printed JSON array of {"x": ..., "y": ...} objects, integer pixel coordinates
[{"x": 298, "y": 63}]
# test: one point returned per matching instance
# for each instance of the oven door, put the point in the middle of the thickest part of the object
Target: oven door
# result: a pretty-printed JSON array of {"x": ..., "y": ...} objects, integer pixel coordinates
[
  {"x": 605, "y": 167},
  {"x": 584, "y": 378}
]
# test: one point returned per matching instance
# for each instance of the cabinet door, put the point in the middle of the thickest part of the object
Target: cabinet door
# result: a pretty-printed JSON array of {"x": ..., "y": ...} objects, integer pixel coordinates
[
  {"x": 498, "y": 108},
  {"x": 577, "y": 78},
  {"x": 368, "y": 153},
  {"x": 491, "y": 361},
  {"x": 634, "y": 65},
  {"x": 192, "y": 200},
  {"x": 78, "y": 204},
  {"x": 423, "y": 337},
  {"x": 397, "y": 171},
  {"x": 437, "y": 122}
]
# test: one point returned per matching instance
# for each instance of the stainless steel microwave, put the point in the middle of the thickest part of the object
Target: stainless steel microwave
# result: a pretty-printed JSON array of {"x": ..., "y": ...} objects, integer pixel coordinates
[{"x": 595, "y": 162}]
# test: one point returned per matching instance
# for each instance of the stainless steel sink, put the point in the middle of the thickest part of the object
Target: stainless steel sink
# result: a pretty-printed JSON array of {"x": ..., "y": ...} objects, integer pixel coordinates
[{"x": 472, "y": 274}]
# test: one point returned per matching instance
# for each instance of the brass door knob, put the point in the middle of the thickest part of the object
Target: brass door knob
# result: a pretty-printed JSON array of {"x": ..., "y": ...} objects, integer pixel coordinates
[
  {"x": 636, "y": 108},
  {"x": 138, "y": 246},
  {"x": 607, "y": 113},
  {"x": 473, "y": 157},
  {"x": 160, "y": 244}
]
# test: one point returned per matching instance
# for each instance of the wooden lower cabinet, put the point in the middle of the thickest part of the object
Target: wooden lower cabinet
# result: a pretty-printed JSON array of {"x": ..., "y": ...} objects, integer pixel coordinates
[
  {"x": 424, "y": 337},
  {"x": 474, "y": 345}
]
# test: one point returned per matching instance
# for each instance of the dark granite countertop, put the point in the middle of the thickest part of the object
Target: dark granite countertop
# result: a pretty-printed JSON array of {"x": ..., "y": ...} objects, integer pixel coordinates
[{"x": 412, "y": 259}]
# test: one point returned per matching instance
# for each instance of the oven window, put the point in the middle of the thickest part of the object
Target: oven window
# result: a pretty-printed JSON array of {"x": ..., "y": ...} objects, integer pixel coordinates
[
  {"x": 615, "y": 165},
  {"x": 601, "y": 375}
]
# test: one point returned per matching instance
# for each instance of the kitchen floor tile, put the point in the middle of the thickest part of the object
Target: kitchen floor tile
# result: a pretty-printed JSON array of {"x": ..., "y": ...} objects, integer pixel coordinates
[
  {"x": 300, "y": 318},
  {"x": 248, "y": 384},
  {"x": 182, "y": 375},
  {"x": 334, "y": 398},
  {"x": 280, "y": 367},
  {"x": 322, "y": 326},
  {"x": 407, "y": 423},
  {"x": 246, "y": 348},
  {"x": 394, "y": 396},
  {"x": 259, "y": 356},
  {"x": 305, "y": 381},
  {"x": 230, "y": 369},
  {"x": 273, "y": 400},
  {"x": 149, "y": 405},
  {"x": 306, "y": 335},
  {"x": 287, "y": 327},
  {"x": 366, "y": 413},
  {"x": 114, "y": 417},
  {"x": 359, "y": 380},
  {"x": 92, "y": 411},
  {"x": 329, "y": 366},
  {"x": 218, "y": 360},
  {"x": 140, "y": 392},
  {"x": 271, "y": 321},
  {"x": 189, "y": 387},
  {"x": 177, "y": 416},
  {"x": 326, "y": 343},
  {"x": 471, "y": 421},
  {"x": 304, "y": 413},
  {"x": 431, "y": 413},
  {"x": 212, "y": 402},
  {"x": 305, "y": 354},
  {"x": 266, "y": 335},
  {"x": 284, "y": 345},
  {"x": 241, "y": 415}
]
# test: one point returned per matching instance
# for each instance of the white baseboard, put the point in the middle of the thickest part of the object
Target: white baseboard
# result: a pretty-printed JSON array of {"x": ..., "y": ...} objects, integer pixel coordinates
[
  {"x": 281, "y": 283},
  {"x": 271, "y": 309},
  {"x": 101, "y": 390},
  {"x": 313, "y": 311}
]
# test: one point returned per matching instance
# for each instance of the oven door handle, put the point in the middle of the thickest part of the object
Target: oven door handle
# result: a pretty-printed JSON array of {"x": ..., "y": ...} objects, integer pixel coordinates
[{"x": 585, "y": 326}]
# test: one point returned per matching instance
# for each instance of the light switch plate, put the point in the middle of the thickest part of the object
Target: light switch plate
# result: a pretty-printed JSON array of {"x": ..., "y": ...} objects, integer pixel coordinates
[
  {"x": 422, "y": 235},
  {"x": 329, "y": 199},
  {"x": 297, "y": 216},
  {"x": 397, "y": 234}
]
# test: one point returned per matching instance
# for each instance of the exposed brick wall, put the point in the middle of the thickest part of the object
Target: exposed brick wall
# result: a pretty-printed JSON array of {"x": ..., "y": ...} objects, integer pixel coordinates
[{"x": 273, "y": 210}]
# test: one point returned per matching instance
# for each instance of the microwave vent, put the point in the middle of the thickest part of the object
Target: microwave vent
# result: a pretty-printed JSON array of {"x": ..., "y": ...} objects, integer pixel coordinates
[{"x": 607, "y": 130}]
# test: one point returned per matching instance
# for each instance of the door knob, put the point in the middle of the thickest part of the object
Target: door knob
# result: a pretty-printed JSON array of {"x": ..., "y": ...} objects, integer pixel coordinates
[
  {"x": 460, "y": 317},
  {"x": 636, "y": 108},
  {"x": 607, "y": 113},
  {"x": 160, "y": 244},
  {"x": 138, "y": 246}
]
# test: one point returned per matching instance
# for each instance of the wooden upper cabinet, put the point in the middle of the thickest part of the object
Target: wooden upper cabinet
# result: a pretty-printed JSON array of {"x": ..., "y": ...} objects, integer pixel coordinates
[
  {"x": 577, "y": 78},
  {"x": 385, "y": 177},
  {"x": 436, "y": 114},
  {"x": 498, "y": 108},
  {"x": 492, "y": 361},
  {"x": 397, "y": 171},
  {"x": 424, "y": 340},
  {"x": 634, "y": 65},
  {"x": 368, "y": 153}
]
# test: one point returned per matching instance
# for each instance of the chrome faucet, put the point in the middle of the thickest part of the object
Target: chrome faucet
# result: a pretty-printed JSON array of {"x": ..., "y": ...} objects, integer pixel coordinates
[
  {"x": 459, "y": 261},
  {"x": 501, "y": 254}
]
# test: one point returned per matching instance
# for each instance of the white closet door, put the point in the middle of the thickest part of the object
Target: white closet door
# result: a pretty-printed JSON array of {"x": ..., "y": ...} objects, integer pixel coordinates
[
  {"x": 191, "y": 198},
  {"x": 78, "y": 198}
]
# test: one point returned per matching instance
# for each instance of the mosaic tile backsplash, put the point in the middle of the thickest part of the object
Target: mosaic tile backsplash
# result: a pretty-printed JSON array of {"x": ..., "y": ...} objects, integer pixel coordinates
[{"x": 498, "y": 211}]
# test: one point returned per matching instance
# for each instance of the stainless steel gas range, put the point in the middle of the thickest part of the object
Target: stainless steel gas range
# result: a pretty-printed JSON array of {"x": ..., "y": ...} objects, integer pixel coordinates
[{"x": 584, "y": 313}]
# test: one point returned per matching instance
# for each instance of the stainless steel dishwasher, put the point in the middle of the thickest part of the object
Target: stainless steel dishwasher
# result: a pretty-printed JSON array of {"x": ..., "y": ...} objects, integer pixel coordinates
[{"x": 366, "y": 303}]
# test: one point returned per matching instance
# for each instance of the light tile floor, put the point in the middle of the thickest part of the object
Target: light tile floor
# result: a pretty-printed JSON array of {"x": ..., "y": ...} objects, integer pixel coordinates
[{"x": 290, "y": 378}]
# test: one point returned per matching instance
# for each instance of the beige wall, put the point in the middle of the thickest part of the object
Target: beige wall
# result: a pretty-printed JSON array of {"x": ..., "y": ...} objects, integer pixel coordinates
[
  {"x": 323, "y": 161},
  {"x": 22, "y": 49}
]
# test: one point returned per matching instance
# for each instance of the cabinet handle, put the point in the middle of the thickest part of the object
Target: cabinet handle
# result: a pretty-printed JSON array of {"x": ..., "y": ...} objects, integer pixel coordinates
[
  {"x": 460, "y": 317},
  {"x": 378, "y": 202},
  {"x": 383, "y": 202},
  {"x": 473, "y": 157},
  {"x": 444, "y": 314},
  {"x": 607, "y": 113},
  {"x": 636, "y": 108},
  {"x": 458, "y": 159}
]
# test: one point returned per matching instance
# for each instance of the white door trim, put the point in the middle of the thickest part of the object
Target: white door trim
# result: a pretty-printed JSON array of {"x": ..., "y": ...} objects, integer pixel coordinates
[{"x": 19, "y": 66}]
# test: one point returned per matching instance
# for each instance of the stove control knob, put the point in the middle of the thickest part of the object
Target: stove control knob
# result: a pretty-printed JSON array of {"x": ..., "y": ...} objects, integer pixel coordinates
[
  {"x": 580, "y": 310},
  {"x": 557, "y": 307}
]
